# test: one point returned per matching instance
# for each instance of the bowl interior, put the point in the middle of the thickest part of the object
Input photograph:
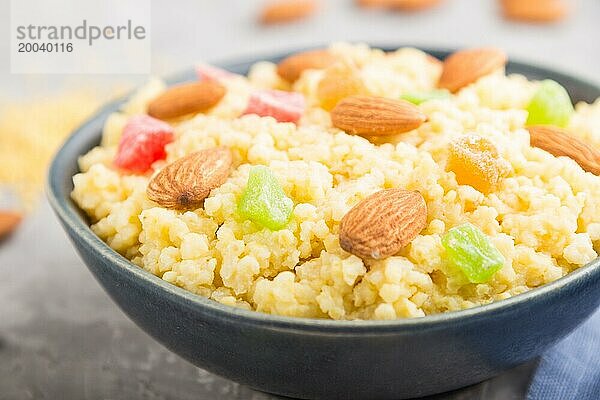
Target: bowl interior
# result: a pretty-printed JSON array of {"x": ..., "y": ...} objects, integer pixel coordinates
[{"x": 64, "y": 166}]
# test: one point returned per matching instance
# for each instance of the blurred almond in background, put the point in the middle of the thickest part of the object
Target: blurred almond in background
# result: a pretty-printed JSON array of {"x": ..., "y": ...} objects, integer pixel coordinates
[
  {"x": 275, "y": 12},
  {"x": 412, "y": 5},
  {"x": 9, "y": 220},
  {"x": 539, "y": 11},
  {"x": 403, "y": 5}
]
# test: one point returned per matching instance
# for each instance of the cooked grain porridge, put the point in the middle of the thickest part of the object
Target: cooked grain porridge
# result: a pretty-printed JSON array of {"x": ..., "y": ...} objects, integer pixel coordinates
[{"x": 245, "y": 189}]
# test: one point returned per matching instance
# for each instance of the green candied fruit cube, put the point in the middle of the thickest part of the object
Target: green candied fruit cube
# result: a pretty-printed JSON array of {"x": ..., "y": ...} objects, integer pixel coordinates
[
  {"x": 469, "y": 250},
  {"x": 421, "y": 97},
  {"x": 550, "y": 105},
  {"x": 263, "y": 201}
]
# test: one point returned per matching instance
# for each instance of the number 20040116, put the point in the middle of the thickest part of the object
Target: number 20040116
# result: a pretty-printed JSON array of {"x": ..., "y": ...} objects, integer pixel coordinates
[{"x": 27, "y": 47}]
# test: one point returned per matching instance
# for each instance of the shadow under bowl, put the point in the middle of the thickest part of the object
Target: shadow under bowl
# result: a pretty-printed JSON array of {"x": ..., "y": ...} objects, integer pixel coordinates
[{"x": 324, "y": 359}]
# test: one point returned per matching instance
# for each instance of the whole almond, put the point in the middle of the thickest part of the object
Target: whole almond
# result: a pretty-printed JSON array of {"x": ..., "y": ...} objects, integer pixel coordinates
[
  {"x": 186, "y": 98},
  {"x": 376, "y": 116},
  {"x": 9, "y": 220},
  {"x": 559, "y": 142},
  {"x": 535, "y": 10},
  {"x": 383, "y": 223},
  {"x": 185, "y": 183},
  {"x": 290, "y": 68},
  {"x": 287, "y": 10},
  {"x": 466, "y": 66}
]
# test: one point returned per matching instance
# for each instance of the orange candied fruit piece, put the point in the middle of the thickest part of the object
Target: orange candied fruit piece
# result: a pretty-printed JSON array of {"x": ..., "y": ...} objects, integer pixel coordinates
[
  {"x": 475, "y": 161},
  {"x": 338, "y": 82}
]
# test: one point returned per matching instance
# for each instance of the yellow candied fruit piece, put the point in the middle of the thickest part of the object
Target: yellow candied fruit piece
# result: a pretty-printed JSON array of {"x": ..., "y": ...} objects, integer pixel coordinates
[
  {"x": 338, "y": 82},
  {"x": 475, "y": 161}
]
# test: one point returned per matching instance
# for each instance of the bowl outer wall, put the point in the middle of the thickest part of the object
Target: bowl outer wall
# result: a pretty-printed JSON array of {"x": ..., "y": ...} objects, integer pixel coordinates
[{"x": 310, "y": 358}]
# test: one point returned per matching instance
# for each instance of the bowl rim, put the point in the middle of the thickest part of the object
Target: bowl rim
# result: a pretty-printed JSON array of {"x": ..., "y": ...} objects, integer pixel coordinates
[{"x": 69, "y": 215}]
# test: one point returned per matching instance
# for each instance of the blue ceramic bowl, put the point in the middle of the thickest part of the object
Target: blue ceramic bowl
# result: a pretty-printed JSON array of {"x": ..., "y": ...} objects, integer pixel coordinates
[{"x": 323, "y": 359}]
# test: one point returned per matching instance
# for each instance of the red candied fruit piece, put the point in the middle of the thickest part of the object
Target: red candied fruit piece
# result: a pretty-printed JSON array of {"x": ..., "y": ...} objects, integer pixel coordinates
[
  {"x": 142, "y": 143},
  {"x": 281, "y": 105},
  {"x": 211, "y": 73}
]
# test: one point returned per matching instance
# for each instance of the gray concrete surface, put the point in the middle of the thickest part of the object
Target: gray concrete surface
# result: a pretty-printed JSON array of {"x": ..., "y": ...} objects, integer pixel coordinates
[{"x": 60, "y": 335}]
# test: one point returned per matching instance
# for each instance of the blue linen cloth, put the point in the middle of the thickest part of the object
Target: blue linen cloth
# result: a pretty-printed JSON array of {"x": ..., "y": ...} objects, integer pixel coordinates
[{"x": 570, "y": 369}]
